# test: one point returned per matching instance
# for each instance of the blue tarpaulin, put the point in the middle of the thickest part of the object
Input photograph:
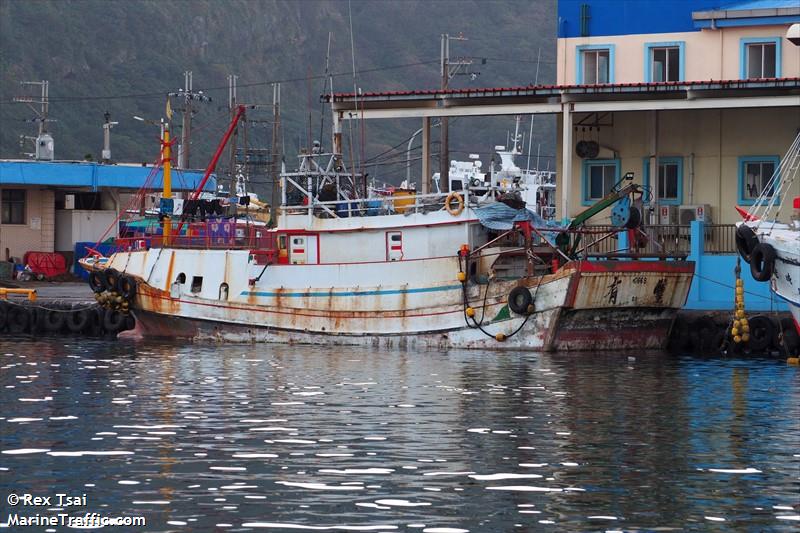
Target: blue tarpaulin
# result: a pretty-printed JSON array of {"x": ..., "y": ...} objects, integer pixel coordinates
[{"x": 501, "y": 217}]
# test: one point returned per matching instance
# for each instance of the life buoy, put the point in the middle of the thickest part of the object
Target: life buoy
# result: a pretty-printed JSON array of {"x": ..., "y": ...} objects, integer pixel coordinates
[
  {"x": 113, "y": 321},
  {"x": 126, "y": 286},
  {"x": 746, "y": 241},
  {"x": 761, "y": 333},
  {"x": 448, "y": 204},
  {"x": 53, "y": 320},
  {"x": 77, "y": 320},
  {"x": 520, "y": 300},
  {"x": 97, "y": 282},
  {"x": 762, "y": 262}
]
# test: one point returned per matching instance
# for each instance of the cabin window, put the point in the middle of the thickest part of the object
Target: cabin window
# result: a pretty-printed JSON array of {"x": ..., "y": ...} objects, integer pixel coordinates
[
  {"x": 595, "y": 64},
  {"x": 456, "y": 185},
  {"x": 223, "y": 291},
  {"x": 670, "y": 180},
  {"x": 181, "y": 278},
  {"x": 282, "y": 242},
  {"x": 760, "y": 58},
  {"x": 755, "y": 178},
  {"x": 599, "y": 177},
  {"x": 664, "y": 61},
  {"x": 12, "y": 207},
  {"x": 197, "y": 284}
]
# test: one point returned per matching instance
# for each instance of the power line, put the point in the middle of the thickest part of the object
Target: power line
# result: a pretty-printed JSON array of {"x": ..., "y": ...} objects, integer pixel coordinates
[{"x": 161, "y": 94}]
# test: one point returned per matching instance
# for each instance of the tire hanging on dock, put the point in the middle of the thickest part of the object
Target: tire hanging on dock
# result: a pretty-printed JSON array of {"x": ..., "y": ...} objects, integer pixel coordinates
[
  {"x": 77, "y": 320},
  {"x": 19, "y": 319},
  {"x": 789, "y": 338},
  {"x": 762, "y": 331},
  {"x": 110, "y": 278},
  {"x": 53, "y": 320},
  {"x": 113, "y": 321},
  {"x": 3, "y": 315}
]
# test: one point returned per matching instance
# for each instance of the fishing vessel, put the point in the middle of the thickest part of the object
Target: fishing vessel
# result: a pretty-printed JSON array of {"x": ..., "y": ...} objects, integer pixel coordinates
[
  {"x": 442, "y": 270},
  {"x": 772, "y": 248},
  {"x": 536, "y": 187}
]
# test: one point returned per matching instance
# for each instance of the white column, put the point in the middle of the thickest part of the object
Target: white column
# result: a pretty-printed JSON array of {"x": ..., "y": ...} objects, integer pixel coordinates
[
  {"x": 426, "y": 155},
  {"x": 566, "y": 158}
]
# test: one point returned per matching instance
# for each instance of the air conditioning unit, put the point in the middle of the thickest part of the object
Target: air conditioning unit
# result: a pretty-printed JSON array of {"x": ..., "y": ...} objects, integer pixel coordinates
[
  {"x": 667, "y": 215},
  {"x": 700, "y": 212},
  {"x": 69, "y": 201}
]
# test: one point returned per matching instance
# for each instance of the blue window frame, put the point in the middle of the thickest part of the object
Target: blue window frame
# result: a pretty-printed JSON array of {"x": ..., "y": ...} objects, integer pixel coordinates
[
  {"x": 598, "y": 176},
  {"x": 594, "y": 63},
  {"x": 755, "y": 172},
  {"x": 760, "y": 57},
  {"x": 670, "y": 175},
  {"x": 664, "y": 61}
]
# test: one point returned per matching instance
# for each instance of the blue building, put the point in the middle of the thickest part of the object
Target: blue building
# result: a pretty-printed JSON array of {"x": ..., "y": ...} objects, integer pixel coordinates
[{"x": 47, "y": 206}]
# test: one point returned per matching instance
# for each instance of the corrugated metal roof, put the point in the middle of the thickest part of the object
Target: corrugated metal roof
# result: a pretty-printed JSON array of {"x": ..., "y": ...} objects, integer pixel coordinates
[
  {"x": 558, "y": 90},
  {"x": 94, "y": 175}
]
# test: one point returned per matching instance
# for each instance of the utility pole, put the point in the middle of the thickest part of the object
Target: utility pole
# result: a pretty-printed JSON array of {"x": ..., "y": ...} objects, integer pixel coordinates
[
  {"x": 106, "y": 156},
  {"x": 449, "y": 68},
  {"x": 275, "y": 156},
  {"x": 188, "y": 96},
  {"x": 43, "y": 142},
  {"x": 232, "y": 78}
]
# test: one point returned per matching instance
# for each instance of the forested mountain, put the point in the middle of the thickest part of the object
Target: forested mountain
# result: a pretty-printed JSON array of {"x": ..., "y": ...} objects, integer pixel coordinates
[{"x": 123, "y": 56}]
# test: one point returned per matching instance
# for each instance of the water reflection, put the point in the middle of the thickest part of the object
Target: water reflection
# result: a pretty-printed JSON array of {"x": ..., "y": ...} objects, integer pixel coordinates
[{"x": 252, "y": 437}]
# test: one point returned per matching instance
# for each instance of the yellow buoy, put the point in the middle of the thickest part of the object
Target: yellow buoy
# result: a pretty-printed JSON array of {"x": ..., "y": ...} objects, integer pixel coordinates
[
  {"x": 737, "y": 339},
  {"x": 500, "y": 337},
  {"x": 745, "y": 328},
  {"x": 470, "y": 312},
  {"x": 737, "y": 323},
  {"x": 739, "y": 282},
  {"x": 744, "y": 322},
  {"x": 739, "y": 314},
  {"x": 739, "y": 291},
  {"x": 746, "y": 337},
  {"x": 793, "y": 360},
  {"x": 461, "y": 276},
  {"x": 735, "y": 332}
]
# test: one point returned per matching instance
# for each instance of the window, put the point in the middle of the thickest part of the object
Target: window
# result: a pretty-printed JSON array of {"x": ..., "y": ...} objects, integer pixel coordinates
[
  {"x": 595, "y": 64},
  {"x": 12, "y": 207},
  {"x": 223, "y": 291},
  {"x": 670, "y": 180},
  {"x": 197, "y": 284},
  {"x": 599, "y": 176},
  {"x": 663, "y": 61},
  {"x": 760, "y": 58},
  {"x": 755, "y": 175}
]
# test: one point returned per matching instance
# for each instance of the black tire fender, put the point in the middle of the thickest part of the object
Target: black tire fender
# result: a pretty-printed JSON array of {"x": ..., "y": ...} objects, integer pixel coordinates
[
  {"x": 519, "y": 300},
  {"x": 762, "y": 332},
  {"x": 113, "y": 321},
  {"x": 53, "y": 320},
  {"x": 746, "y": 241},
  {"x": 762, "y": 262},
  {"x": 680, "y": 338},
  {"x": 110, "y": 278},
  {"x": 704, "y": 336},
  {"x": 126, "y": 286},
  {"x": 3, "y": 315},
  {"x": 77, "y": 320},
  {"x": 97, "y": 281},
  {"x": 790, "y": 339},
  {"x": 19, "y": 319}
]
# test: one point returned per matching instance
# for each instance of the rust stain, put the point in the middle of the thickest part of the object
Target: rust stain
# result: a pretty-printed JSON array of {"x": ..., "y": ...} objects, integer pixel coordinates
[{"x": 169, "y": 269}]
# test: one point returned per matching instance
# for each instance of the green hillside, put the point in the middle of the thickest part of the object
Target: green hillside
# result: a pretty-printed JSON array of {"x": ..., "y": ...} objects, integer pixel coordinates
[{"x": 124, "y": 56}]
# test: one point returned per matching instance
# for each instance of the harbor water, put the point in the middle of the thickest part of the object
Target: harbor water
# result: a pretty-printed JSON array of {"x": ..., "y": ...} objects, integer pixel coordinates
[{"x": 299, "y": 438}]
